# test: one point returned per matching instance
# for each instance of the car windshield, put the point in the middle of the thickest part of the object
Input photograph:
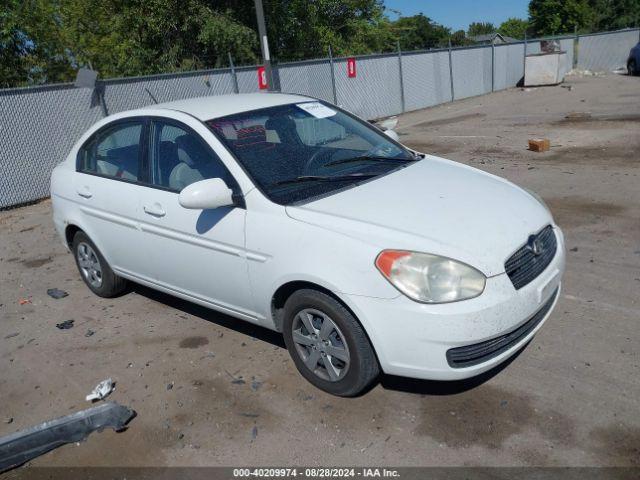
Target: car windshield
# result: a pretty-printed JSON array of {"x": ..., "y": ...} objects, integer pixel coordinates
[{"x": 299, "y": 151}]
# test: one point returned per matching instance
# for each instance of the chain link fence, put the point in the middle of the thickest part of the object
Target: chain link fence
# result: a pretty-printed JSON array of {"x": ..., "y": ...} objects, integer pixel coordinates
[{"x": 39, "y": 125}]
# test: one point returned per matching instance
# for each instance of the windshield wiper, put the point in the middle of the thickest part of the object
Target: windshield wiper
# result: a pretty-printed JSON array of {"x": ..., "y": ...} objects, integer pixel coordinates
[
  {"x": 323, "y": 178},
  {"x": 370, "y": 158}
]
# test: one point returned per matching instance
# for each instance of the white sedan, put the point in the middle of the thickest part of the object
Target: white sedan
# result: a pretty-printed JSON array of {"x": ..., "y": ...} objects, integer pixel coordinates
[{"x": 291, "y": 213}]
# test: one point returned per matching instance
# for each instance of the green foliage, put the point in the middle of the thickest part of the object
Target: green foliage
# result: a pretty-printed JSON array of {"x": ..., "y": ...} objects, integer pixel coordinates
[
  {"x": 554, "y": 17},
  {"x": 481, "y": 28},
  {"x": 420, "y": 32},
  {"x": 514, "y": 28},
  {"x": 300, "y": 29},
  {"x": 459, "y": 39},
  {"x": 29, "y": 47},
  {"x": 14, "y": 49},
  {"x": 48, "y": 40},
  {"x": 615, "y": 14}
]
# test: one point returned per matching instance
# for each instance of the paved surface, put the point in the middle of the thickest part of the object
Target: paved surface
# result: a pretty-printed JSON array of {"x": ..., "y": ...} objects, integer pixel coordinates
[{"x": 211, "y": 390}]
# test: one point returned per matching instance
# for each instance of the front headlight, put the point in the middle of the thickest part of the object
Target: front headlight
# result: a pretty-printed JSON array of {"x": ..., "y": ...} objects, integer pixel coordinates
[{"x": 429, "y": 278}]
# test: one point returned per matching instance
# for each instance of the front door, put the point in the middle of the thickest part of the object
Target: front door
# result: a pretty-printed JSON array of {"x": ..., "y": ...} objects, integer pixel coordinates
[{"x": 199, "y": 253}]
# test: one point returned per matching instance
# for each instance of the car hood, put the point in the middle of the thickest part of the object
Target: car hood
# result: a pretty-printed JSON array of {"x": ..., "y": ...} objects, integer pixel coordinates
[{"x": 435, "y": 206}]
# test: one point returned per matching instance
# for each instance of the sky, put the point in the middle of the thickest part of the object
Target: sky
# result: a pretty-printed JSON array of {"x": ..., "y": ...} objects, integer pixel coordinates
[{"x": 458, "y": 14}]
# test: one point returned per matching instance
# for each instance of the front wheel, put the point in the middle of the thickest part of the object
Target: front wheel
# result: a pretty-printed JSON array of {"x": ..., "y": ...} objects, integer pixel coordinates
[
  {"x": 632, "y": 68},
  {"x": 328, "y": 345}
]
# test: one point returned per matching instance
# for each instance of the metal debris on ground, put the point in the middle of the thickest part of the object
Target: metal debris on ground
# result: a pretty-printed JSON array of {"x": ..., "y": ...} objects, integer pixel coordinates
[
  {"x": 57, "y": 293},
  {"x": 66, "y": 325},
  {"x": 102, "y": 390},
  {"x": 20, "y": 447}
]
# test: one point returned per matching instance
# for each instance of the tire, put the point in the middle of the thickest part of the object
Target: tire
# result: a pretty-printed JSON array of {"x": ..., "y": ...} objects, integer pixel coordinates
[
  {"x": 94, "y": 269},
  {"x": 632, "y": 68},
  {"x": 343, "y": 339}
]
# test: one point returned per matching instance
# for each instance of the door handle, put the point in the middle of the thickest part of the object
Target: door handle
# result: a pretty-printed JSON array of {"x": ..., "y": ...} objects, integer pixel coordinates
[
  {"x": 84, "y": 192},
  {"x": 154, "y": 210}
]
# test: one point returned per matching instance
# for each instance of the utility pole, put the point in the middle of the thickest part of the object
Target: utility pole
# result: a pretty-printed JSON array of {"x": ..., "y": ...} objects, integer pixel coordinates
[{"x": 264, "y": 44}]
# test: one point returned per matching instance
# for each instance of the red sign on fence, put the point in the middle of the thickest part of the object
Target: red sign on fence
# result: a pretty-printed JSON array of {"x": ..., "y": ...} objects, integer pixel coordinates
[
  {"x": 351, "y": 67},
  {"x": 262, "y": 78}
]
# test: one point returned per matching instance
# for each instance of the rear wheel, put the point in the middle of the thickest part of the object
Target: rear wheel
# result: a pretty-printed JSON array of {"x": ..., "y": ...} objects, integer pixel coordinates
[
  {"x": 632, "y": 68},
  {"x": 94, "y": 269},
  {"x": 327, "y": 344}
]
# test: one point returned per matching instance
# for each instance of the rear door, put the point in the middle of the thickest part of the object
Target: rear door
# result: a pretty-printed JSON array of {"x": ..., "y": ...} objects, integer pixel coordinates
[
  {"x": 200, "y": 253},
  {"x": 110, "y": 169}
]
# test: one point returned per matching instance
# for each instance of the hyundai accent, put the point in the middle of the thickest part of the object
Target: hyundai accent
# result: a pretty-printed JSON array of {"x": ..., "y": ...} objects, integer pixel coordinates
[{"x": 291, "y": 213}]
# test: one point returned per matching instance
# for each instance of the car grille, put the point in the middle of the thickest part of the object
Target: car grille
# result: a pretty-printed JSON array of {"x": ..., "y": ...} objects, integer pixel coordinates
[
  {"x": 525, "y": 265},
  {"x": 469, "y": 355}
]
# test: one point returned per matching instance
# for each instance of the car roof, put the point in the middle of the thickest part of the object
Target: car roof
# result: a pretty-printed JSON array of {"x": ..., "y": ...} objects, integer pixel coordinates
[{"x": 215, "y": 106}]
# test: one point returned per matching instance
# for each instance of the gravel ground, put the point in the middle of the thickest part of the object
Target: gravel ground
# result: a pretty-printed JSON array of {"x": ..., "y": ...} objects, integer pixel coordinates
[{"x": 212, "y": 390}]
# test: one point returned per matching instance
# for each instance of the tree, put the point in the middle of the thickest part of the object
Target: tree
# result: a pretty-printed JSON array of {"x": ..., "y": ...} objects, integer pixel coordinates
[
  {"x": 44, "y": 41},
  {"x": 47, "y": 41},
  {"x": 300, "y": 29},
  {"x": 514, "y": 28},
  {"x": 480, "y": 28},
  {"x": 29, "y": 47},
  {"x": 420, "y": 32},
  {"x": 459, "y": 39},
  {"x": 615, "y": 14},
  {"x": 13, "y": 48},
  {"x": 553, "y": 17}
]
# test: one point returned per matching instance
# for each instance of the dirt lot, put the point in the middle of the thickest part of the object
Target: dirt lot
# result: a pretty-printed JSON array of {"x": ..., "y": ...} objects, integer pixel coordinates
[{"x": 211, "y": 390}]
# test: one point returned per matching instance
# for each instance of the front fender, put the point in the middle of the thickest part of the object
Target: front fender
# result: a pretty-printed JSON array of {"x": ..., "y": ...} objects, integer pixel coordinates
[{"x": 289, "y": 250}]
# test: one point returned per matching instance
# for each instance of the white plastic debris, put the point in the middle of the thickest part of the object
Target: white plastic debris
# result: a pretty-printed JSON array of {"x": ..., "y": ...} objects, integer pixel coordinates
[
  {"x": 102, "y": 390},
  {"x": 388, "y": 123}
]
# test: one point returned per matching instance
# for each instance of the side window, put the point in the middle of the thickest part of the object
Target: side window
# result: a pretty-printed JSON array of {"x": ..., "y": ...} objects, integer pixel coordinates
[
  {"x": 113, "y": 152},
  {"x": 180, "y": 157}
]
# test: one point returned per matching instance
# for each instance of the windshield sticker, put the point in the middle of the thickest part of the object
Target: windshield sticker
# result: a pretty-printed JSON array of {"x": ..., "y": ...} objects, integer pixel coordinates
[{"x": 317, "y": 109}]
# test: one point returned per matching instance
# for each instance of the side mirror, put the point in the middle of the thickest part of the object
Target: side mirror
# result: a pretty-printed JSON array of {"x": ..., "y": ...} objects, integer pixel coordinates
[
  {"x": 206, "y": 195},
  {"x": 392, "y": 134}
]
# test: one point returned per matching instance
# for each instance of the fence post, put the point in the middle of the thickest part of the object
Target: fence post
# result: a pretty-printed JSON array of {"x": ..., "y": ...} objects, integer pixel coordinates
[
  {"x": 453, "y": 97},
  {"x": 576, "y": 48},
  {"x": 524, "y": 60},
  {"x": 401, "y": 78},
  {"x": 233, "y": 74},
  {"x": 493, "y": 65},
  {"x": 333, "y": 77}
]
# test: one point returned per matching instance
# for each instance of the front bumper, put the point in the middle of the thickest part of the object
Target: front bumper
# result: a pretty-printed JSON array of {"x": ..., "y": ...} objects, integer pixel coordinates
[{"x": 412, "y": 339}]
